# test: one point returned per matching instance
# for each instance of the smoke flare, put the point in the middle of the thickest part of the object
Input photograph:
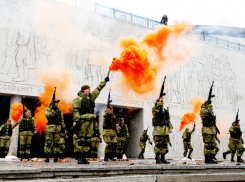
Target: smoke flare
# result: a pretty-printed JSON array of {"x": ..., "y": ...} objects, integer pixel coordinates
[
  {"x": 191, "y": 117},
  {"x": 17, "y": 111}
]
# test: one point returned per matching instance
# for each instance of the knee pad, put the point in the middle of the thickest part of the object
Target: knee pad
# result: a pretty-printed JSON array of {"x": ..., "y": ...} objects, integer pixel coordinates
[
  {"x": 22, "y": 147},
  {"x": 159, "y": 144},
  {"x": 28, "y": 146},
  {"x": 241, "y": 150},
  {"x": 81, "y": 141},
  {"x": 87, "y": 141},
  {"x": 191, "y": 150},
  {"x": 48, "y": 143}
]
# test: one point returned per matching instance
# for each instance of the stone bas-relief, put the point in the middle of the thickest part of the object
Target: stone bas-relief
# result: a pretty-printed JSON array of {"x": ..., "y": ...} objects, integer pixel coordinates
[{"x": 30, "y": 42}]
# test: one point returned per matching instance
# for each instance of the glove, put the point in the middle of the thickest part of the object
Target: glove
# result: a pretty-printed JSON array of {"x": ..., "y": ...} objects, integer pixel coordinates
[
  {"x": 209, "y": 102},
  {"x": 100, "y": 141},
  {"x": 194, "y": 124},
  {"x": 107, "y": 79}
]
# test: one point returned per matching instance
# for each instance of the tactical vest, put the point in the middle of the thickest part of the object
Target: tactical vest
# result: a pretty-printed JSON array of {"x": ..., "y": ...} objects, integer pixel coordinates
[
  {"x": 26, "y": 124},
  {"x": 87, "y": 105},
  {"x": 209, "y": 121},
  {"x": 96, "y": 132},
  {"x": 161, "y": 119},
  {"x": 188, "y": 138},
  {"x": 145, "y": 138},
  {"x": 123, "y": 131},
  {"x": 236, "y": 135},
  {"x": 109, "y": 123},
  {"x": 56, "y": 119},
  {"x": 6, "y": 131}
]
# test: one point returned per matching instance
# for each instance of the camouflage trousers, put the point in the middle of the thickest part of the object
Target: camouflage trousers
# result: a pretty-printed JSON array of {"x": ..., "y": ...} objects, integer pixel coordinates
[
  {"x": 62, "y": 146},
  {"x": 84, "y": 139},
  {"x": 111, "y": 143},
  {"x": 74, "y": 143},
  {"x": 142, "y": 146},
  {"x": 235, "y": 145},
  {"x": 187, "y": 145},
  {"x": 210, "y": 144},
  {"x": 121, "y": 142},
  {"x": 95, "y": 141},
  {"x": 4, "y": 144},
  {"x": 161, "y": 144},
  {"x": 25, "y": 144},
  {"x": 52, "y": 143}
]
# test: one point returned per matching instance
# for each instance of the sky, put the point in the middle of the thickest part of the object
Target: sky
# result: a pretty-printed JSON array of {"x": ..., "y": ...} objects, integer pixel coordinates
[{"x": 197, "y": 12}]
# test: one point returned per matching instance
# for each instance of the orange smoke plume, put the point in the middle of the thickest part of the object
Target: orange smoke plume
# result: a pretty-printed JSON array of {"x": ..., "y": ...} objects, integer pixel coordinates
[
  {"x": 140, "y": 62},
  {"x": 52, "y": 77},
  {"x": 17, "y": 111},
  {"x": 191, "y": 117}
]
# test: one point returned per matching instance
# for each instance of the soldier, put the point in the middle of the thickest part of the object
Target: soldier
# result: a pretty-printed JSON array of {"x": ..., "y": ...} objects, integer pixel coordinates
[
  {"x": 83, "y": 115},
  {"x": 55, "y": 126},
  {"x": 143, "y": 139},
  {"x": 5, "y": 138},
  {"x": 162, "y": 128},
  {"x": 122, "y": 137},
  {"x": 235, "y": 143},
  {"x": 27, "y": 129},
  {"x": 95, "y": 140},
  {"x": 109, "y": 134},
  {"x": 187, "y": 141},
  {"x": 209, "y": 130}
]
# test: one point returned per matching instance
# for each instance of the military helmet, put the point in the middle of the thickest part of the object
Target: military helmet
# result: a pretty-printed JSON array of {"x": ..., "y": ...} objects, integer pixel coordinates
[
  {"x": 145, "y": 131},
  {"x": 84, "y": 87},
  {"x": 27, "y": 110}
]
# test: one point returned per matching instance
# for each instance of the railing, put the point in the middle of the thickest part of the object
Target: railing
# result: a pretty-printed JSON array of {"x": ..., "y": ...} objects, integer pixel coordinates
[{"x": 112, "y": 12}]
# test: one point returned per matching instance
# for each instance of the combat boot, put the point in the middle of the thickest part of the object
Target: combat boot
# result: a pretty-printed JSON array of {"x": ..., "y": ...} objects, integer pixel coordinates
[
  {"x": 112, "y": 154},
  {"x": 212, "y": 157},
  {"x": 106, "y": 158},
  {"x": 85, "y": 158},
  {"x": 232, "y": 158},
  {"x": 139, "y": 157},
  {"x": 119, "y": 156},
  {"x": 189, "y": 156},
  {"x": 239, "y": 160},
  {"x": 163, "y": 159},
  {"x": 55, "y": 158},
  {"x": 158, "y": 160},
  {"x": 47, "y": 157},
  {"x": 207, "y": 159},
  {"x": 142, "y": 156},
  {"x": 224, "y": 155},
  {"x": 80, "y": 158},
  {"x": 61, "y": 156}
]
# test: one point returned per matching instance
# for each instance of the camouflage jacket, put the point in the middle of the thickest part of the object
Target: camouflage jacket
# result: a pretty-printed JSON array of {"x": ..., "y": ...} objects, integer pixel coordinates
[
  {"x": 55, "y": 120},
  {"x": 122, "y": 130},
  {"x": 6, "y": 131},
  {"x": 144, "y": 138},
  {"x": 83, "y": 105},
  {"x": 31, "y": 128},
  {"x": 187, "y": 136},
  {"x": 109, "y": 123},
  {"x": 235, "y": 132},
  {"x": 161, "y": 121}
]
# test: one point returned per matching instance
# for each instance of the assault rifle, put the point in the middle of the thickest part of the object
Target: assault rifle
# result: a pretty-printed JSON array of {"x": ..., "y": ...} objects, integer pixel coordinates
[
  {"x": 210, "y": 94},
  {"x": 23, "y": 103},
  {"x": 146, "y": 130},
  {"x": 53, "y": 99},
  {"x": 236, "y": 122},
  {"x": 162, "y": 89},
  {"x": 109, "y": 99}
]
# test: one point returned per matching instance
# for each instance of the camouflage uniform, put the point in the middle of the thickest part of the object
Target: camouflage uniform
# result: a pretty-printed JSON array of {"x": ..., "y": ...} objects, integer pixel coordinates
[
  {"x": 142, "y": 143},
  {"x": 5, "y": 139},
  {"x": 27, "y": 127},
  {"x": 209, "y": 131},
  {"x": 83, "y": 111},
  {"x": 109, "y": 134},
  {"x": 122, "y": 136},
  {"x": 53, "y": 129},
  {"x": 187, "y": 142},
  {"x": 95, "y": 140},
  {"x": 162, "y": 124},
  {"x": 235, "y": 143}
]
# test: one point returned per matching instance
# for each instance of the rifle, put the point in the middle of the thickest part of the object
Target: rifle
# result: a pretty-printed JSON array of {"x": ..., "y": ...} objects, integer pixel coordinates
[
  {"x": 109, "y": 97},
  {"x": 236, "y": 122},
  {"x": 210, "y": 94},
  {"x": 162, "y": 89},
  {"x": 24, "y": 114},
  {"x": 53, "y": 99},
  {"x": 146, "y": 130}
]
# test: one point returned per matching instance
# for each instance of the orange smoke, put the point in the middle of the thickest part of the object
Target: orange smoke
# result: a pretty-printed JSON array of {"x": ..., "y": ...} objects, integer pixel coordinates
[
  {"x": 190, "y": 117},
  {"x": 59, "y": 77},
  {"x": 140, "y": 62},
  {"x": 17, "y": 111}
]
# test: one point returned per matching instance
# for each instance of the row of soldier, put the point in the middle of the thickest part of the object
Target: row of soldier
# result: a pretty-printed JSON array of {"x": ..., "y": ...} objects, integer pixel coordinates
[{"x": 87, "y": 135}]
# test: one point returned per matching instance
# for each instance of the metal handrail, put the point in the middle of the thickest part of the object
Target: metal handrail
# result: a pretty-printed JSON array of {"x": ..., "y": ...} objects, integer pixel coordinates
[{"x": 112, "y": 12}]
